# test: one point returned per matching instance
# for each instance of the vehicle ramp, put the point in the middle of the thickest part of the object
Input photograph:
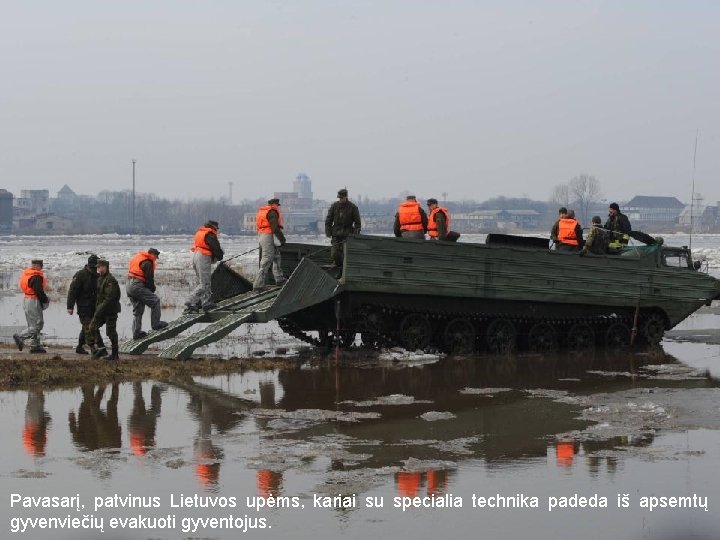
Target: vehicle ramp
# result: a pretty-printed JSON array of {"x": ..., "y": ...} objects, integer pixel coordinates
[{"x": 308, "y": 285}]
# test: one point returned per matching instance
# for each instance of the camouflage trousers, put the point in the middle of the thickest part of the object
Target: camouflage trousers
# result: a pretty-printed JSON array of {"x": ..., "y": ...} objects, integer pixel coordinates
[
  {"x": 82, "y": 338},
  {"x": 93, "y": 333},
  {"x": 337, "y": 250}
]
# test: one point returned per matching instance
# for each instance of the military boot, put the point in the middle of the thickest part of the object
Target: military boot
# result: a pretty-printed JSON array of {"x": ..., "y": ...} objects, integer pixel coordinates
[
  {"x": 37, "y": 349},
  {"x": 113, "y": 355},
  {"x": 99, "y": 352},
  {"x": 80, "y": 350}
]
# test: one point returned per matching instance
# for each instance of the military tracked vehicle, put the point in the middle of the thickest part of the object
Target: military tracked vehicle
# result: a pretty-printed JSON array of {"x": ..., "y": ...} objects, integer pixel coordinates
[{"x": 511, "y": 292}]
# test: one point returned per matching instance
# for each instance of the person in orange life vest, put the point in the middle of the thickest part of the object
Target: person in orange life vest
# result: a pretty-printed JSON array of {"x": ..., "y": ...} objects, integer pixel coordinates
[
  {"x": 140, "y": 289},
  {"x": 562, "y": 214},
  {"x": 32, "y": 283},
  {"x": 438, "y": 221},
  {"x": 207, "y": 251},
  {"x": 411, "y": 221},
  {"x": 269, "y": 224},
  {"x": 569, "y": 233}
]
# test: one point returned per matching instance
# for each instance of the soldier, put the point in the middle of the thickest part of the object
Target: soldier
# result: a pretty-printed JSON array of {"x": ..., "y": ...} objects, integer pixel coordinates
[
  {"x": 569, "y": 233},
  {"x": 343, "y": 219},
  {"x": 83, "y": 292},
  {"x": 32, "y": 283},
  {"x": 438, "y": 221},
  {"x": 207, "y": 250},
  {"x": 410, "y": 220},
  {"x": 619, "y": 226},
  {"x": 597, "y": 239},
  {"x": 140, "y": 289},
  {"x": 107, "y": 308},
  {"x": 562, "y": 214},
  {"x": 268, "y": 223}
]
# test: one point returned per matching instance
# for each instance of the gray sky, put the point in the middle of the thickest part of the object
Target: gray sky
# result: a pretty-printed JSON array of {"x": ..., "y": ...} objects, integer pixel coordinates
[{"x": 473, "y": 98}]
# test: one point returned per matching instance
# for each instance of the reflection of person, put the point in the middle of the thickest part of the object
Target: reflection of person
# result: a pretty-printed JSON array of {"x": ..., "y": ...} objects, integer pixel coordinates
[
  {"x": 83, "y": 293},
  {"x": 34, "y": 434},
  {"x": 140, "y": 289},
  {"x": 565, "y": 453},
  {"x": 269, "y": 483},
  {"x": 92, "y": 428},
  {"x": 142, "y": 423},
  {"x": 32, "y": 283}
]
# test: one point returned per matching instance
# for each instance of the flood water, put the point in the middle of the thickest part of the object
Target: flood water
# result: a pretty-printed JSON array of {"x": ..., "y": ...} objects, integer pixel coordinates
[{"x": 494, "y": 431}]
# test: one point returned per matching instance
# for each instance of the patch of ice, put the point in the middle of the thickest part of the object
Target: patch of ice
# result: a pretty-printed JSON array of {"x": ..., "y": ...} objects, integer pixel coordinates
[{"x": 432, "y": 416}]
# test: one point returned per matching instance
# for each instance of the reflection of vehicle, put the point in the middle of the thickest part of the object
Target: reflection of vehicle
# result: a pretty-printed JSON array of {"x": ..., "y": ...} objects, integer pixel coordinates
[{"x": 511, "y": 291}]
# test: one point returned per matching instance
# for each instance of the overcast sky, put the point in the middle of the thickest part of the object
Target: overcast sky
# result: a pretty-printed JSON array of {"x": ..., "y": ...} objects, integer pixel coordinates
[{"x": 473, "y": 98}]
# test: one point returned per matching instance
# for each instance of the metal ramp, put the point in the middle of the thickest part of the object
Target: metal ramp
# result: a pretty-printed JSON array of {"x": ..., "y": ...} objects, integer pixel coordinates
[
  {"x": 308, "y": 285},
  {"x": 252, "y": 298}
]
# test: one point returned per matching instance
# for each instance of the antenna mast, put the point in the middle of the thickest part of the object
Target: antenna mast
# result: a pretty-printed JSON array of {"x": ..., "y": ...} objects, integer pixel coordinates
[{"x": 692, "y": 195}]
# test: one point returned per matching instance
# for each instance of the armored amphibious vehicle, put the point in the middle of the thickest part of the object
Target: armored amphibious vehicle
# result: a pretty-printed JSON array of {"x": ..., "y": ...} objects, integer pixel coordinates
[{"x": 511, "y": 292}]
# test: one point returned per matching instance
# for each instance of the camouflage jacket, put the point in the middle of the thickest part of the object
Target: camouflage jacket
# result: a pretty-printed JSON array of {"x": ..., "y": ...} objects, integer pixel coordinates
[{"x": 108, "y": 296}]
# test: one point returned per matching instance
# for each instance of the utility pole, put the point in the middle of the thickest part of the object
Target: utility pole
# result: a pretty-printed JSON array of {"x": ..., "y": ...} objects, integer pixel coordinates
[
  {"x": 230, "y": 185},
  {"x": 133, "y": 198}
]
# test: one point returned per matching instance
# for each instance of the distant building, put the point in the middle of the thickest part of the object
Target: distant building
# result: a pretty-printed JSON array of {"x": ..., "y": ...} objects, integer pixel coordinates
[
  {"x": 44, "y": 223},
  {"x": 301, "y": 213},
  {"x": 487, "y": 220},
  {"x": 653, "y": 210},
  {"x": 6, "y": 211},
  {"x": 32, "y": 202}
]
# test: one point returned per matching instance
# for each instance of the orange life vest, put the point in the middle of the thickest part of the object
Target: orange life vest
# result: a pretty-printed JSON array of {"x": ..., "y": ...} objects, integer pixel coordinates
[
  {"x": 25, "y": 277},
  {"x": 262, "y": 224},
  {"x": 409, "y": 215},
  {"x": 432, "y": 226},
  {"x": 566, "y": 232},
  {"x": 134, "y": 270},
  {"x": 200, "y": 243}
]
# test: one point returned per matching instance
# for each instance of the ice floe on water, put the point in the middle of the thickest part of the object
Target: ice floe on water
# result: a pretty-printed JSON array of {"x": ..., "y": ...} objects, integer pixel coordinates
[
  {"x": 489, "y": 392},
  {"x": 433, "y": 416},
  {"x": 393, "y": 399},
  {"x": 316, "y": 415}
]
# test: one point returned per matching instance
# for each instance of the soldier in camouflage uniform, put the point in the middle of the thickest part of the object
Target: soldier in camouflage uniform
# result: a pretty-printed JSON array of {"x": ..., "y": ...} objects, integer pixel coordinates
[
  {"x": 106, "y": 311},
  {"x": 343, "y": 219},
  {"x": 597, "y": 239}
]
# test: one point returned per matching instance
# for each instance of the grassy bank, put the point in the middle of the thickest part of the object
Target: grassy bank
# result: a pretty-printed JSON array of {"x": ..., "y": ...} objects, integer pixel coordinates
[{"x": 63, "y": 368}]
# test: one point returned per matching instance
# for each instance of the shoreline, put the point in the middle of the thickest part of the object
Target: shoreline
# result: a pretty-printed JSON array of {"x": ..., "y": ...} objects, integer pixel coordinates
[{"x": 62, "y": 367}]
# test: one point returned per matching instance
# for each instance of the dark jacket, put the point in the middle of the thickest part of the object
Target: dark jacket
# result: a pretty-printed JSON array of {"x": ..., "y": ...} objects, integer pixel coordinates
[
  {"x": 618, "y": 223},
  {"x": 441, "y": 223},
  {"x": 212, "y": 241},
  {"x": 149, "y": 273},
  {"x": 275, "y": 226},
  {"x": 108, "y": 296},
  {"x": 343, "y": 219},
  {"x": 423, "y": 219},
  {"x": 35, "y": 284},
  {"x": 83, "y": 291}
]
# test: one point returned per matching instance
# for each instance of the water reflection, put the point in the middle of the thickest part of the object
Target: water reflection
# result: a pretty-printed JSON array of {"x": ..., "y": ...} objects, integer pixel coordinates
[
  {"x": 92, "y": 428},
  {"x": 501, "y": 410},
  {"x": 37, "y": 420},
  {"x": 142, "y": 422}
]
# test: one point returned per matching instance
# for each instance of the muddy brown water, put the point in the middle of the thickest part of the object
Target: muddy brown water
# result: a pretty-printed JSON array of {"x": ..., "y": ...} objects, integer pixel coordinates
[{"x": 507, "y": 429}]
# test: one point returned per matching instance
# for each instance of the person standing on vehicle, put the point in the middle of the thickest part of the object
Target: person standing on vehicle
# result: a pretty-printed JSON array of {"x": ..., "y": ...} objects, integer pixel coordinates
[
  {"x": 268, "y": 223},
  {"x": 619, "y": 226},
  {"x": 569, "y": 233},
  {"x": 207, "y": 251},
  {"x": 140, "y": 289},
  {"x": 83, "y": 293},
  {"x": 411, "y": 221},
  {"x": 106, "y": 312},
  {"x": 32, "y": 283},
  {"x": 343, "y": 219}
]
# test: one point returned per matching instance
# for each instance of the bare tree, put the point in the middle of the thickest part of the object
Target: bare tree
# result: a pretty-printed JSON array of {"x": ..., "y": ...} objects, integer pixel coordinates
[
  {"x": 584, "y": 190},
  {"x": 560, "y": 195}
]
